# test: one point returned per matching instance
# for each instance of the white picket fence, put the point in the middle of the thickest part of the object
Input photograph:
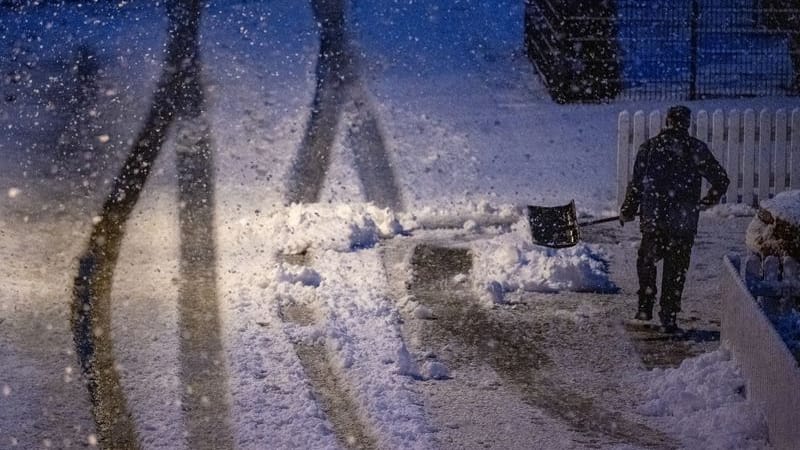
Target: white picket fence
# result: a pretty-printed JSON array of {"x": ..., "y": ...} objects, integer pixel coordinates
[
  {"x": 760, "y": 151},
  {"x": 771, "y": 370}
]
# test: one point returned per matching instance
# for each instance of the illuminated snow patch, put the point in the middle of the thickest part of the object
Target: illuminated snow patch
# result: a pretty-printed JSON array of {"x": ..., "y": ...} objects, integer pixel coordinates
[{"x": 340, "y": 227}]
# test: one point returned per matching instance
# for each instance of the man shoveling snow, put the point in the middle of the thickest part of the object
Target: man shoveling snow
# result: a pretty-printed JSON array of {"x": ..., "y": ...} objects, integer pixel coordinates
[{"x": 665, "y": 193}]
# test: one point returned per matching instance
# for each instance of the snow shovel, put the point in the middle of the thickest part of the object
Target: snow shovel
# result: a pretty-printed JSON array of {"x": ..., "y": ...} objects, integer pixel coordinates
[{"x": 558, "y": 226}]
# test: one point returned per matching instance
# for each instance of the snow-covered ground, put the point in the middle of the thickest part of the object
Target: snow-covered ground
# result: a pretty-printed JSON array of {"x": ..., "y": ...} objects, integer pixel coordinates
[{"x": 324, "y": 341}]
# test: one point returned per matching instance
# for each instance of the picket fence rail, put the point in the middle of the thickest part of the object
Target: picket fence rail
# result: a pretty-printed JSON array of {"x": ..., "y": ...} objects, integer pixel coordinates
[{"x": 760, "y": 151}]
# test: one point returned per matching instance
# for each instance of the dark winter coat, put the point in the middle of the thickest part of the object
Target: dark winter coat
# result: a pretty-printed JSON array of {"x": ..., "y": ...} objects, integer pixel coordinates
[{"x": 667, "y": 177}]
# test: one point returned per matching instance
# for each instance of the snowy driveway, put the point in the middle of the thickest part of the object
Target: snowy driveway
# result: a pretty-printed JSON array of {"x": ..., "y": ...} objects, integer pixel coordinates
[{"x": 235, "y": 320}]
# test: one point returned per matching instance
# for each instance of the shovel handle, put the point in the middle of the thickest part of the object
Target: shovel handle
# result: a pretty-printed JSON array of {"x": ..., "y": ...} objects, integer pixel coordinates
[{"x": 594, "y": 222}]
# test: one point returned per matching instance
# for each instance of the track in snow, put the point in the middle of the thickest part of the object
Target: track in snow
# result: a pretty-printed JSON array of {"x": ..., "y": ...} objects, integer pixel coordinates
[
  {"x": 659, "y": 350},
  {"x": 330, "y": 389}
]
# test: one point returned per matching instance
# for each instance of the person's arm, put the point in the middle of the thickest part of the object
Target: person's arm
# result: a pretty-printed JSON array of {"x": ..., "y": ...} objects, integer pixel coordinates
[
  {"x": 712, "y": 170},
  {"x": 633, "y": 194}
]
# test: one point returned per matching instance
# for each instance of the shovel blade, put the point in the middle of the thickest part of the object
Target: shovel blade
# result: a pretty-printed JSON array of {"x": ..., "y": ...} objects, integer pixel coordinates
[{"x": 554, "y": 226}]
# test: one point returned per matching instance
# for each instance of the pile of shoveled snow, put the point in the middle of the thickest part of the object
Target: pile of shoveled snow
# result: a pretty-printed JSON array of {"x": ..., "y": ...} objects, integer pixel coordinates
[
  {"x": 467, "y": 215},
  {"x": 505, "y": 261},
  {"x": 341, "y": 227},
  {"x": 510, "y": 262},
  {"x": 704, "y": 402},
  {"x": 774, "y": 231}
]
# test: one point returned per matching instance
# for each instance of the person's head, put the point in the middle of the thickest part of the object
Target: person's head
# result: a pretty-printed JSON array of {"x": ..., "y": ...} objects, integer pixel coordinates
[{"x": 679, "y": 117}]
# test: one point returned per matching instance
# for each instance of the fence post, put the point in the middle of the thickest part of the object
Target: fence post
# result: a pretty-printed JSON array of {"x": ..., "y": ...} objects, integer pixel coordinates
[
  {"x": 791, "y": 269},
  {"x": 781, "y": 161},
  {"x": 655, "y": 123},
  {"x": 748, "y": 157},
  {"x": 624, "y": 154},
  {"x": 770, "y": 292},
  {"x": 752, "y": 272},
  {"x": 639, "y": 135},
  {"x": 718, "y": 136},
  {"x": 734, "y": 148},
  {"x": 794, "y": 177},
  {"x": 701, "y": 132},
  {"x": 764, "y": 151},
  {"x": 772, "y": 269},
  {"x": 701, "y": 125}
]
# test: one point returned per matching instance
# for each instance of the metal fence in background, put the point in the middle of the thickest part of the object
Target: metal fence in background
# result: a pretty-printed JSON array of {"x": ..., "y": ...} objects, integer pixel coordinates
[
  {"x": 655, "y": 44},
  {"x": 694, "y": 49},
  {"x": 664, "y": 49}
]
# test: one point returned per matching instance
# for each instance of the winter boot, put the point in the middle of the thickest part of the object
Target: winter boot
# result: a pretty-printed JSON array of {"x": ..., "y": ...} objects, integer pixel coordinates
[
  {"x": 645, "y": 311},
  {"x": 669, "y": 322}
]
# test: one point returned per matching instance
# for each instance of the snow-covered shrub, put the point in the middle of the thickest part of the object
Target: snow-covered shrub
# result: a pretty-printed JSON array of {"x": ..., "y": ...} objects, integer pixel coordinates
[{"x": 776, "y": 228}]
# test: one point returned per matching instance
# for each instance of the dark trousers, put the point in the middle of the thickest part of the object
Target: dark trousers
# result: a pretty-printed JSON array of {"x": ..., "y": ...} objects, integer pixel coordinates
[{"x": 676, "y": 252}]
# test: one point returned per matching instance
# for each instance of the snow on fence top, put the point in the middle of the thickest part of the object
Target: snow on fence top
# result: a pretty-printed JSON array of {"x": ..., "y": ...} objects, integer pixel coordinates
[{"x": 760, "y": 151}]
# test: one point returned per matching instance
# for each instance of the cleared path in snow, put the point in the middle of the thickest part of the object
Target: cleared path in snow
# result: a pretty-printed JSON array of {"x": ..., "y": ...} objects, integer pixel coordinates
[
  {"x": 659, "y": 350},
  {"x": 519, "y": 349}
]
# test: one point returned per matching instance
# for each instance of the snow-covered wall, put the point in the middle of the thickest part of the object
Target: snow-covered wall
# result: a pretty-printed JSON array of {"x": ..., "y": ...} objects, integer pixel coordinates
[{"x": 772, "y": 372}]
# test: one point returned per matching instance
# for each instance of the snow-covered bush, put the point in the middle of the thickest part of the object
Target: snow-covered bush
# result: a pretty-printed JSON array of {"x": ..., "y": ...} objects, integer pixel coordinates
[
  {"x": 511, "y": 263},
  {"x": 776, "y": 228}
]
